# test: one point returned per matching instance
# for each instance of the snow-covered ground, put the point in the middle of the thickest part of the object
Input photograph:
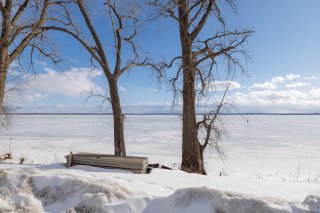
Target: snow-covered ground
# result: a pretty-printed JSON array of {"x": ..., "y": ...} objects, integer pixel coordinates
[{"x": 273, "y": 165}]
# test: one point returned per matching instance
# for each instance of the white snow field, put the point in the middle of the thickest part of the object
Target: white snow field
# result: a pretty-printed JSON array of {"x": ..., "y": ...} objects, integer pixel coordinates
[{"x": 272, "y": 165}]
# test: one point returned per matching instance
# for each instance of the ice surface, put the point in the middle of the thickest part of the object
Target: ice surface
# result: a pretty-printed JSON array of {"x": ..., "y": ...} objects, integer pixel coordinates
[
  {"x": 272, "y": 165},
  {"x": 284, "y": 147}
]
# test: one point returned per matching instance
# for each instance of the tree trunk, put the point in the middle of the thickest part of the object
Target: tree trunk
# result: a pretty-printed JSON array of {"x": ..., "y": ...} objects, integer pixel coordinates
[
  {"x": 119, "y": 144},
  {"x": 6, "y": 30},
  {"x": 202, "y": 159},
  {"x": 191, "y": 156},
  {"x": 3, "y": 75},
  {"x": 3, "y": 78}
]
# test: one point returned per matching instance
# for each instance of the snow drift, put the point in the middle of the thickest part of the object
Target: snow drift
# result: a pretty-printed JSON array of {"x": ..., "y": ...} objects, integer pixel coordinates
[
  {"x": 207, "y": 200},
  {"x": 33, "y": 190}
]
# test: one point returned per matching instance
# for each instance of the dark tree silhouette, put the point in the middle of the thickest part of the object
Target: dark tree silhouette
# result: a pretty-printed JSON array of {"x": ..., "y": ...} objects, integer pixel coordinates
[{"x": 197, "y": 63}]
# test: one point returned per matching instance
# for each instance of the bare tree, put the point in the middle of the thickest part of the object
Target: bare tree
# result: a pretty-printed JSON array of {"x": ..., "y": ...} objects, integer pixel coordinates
[
  {"x": 123, "y": 18},
  {"x": 198, "y": 65},
  {"x": 20, "y": 23}
]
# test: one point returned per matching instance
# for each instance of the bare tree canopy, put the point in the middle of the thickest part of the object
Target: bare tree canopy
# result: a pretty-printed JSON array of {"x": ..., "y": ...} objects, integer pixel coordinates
[
  {"x": 113, "y": 48},
  {"x": 201, "y": 51},
  {"x": 20, "y": 24}
]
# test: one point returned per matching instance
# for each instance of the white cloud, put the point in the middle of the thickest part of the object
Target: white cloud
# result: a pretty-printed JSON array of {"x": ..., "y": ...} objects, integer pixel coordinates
[
  {"x": 278, "y": 94},
  {"x": 277, "y": 101},
  {"x": 292, "y": 76},
  {"x": 278, "y": 80},
  {"x": 297, "y": 84},
  {"x": 72, "y": 82},
  {"x": 222, "y": 85},
  {"x": 273, "y": 84},
  {"x": 315, "y": 93},
  {"x": 33, "y": 96},
  {"x": 311, "y": 78},
  {"x": 123, "y": 89},
  {"x": 265, "y": 85},
  {"x": 273, "y": 96},
  {"x": 62, "y": 108}
]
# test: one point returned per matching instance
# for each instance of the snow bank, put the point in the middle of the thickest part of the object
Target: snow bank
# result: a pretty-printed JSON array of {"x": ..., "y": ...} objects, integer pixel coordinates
[
  {"x": 207, "y": 200},
  {"x": 16, "y": 194},
  {"x": 36, "y": 190},
  {"x": 83, "y": 194},
  {"x": 313, "y": 202}
]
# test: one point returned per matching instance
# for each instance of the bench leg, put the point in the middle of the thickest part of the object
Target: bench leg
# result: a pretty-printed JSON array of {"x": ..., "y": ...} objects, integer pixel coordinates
[{"x": 70, "y": 160}]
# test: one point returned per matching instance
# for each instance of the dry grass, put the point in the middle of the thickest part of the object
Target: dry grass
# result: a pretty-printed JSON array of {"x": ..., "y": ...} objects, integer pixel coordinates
[{"x": 7, "y": 154}]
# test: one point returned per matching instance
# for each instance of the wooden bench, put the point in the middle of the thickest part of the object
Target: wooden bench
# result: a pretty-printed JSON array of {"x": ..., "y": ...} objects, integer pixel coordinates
[{"x": 137, "y": 165}]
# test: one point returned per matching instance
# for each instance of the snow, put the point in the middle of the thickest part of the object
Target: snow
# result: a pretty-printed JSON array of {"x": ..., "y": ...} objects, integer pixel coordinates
[
  {"x": 190, "y": 200},
  {"x": 272, "y": 166},
  {"x": 53, "y": 188}
]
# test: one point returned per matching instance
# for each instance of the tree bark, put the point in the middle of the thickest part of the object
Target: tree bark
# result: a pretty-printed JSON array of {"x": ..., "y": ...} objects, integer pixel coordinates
[
  {"x": 3, "y": 75},
  {"x": 203, "y": 171},
  {"x": 119, "y": 143},
  {"x": 191, "y": 156},
  {"x": 4, "y": 57},
  {"x": 3, "y": 78}
]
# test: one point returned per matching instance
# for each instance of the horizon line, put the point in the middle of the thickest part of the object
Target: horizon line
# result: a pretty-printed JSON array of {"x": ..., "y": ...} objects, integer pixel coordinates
[{"x": 80, "y": 113}]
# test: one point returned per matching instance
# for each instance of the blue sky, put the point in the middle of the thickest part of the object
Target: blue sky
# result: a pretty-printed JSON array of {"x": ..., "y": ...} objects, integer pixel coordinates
[{"x": 283, "y": 76}]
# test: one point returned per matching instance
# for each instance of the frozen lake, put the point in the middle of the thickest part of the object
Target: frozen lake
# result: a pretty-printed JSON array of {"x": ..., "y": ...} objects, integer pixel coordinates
[{"x": 268, "y": 146}]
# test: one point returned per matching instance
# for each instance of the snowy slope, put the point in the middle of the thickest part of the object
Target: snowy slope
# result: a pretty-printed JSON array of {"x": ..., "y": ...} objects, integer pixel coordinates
[{"x": 53, "y": 188}]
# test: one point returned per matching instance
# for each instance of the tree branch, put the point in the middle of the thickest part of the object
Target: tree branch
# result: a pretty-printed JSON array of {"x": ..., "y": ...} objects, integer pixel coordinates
[
  {"x": 116, "y": 34},
  {"x": 35, "y": 31},
  {"x": 197, "y": 13},
  {"x": 2, "y": 8},
  {"x": 202, "y": 21},
  {"x": 19, "y": 12},
  {"x": 91, "y": 50},
  {"x": 224, "y": 50},
  {"x": 93, "y": 33}
]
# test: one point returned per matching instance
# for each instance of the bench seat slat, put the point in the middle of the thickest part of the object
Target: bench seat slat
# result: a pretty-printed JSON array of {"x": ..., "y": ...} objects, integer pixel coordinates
[
  {"x": 131, "y": 163},
  {"x": 108, "y": 163}
]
